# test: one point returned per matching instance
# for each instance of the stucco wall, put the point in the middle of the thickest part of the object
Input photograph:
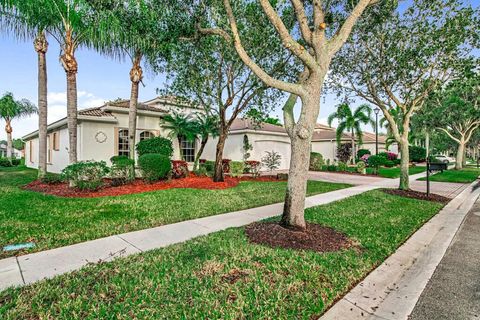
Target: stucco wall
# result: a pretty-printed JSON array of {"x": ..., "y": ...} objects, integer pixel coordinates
[
  {"x": 261, "y": 142},
  {"x": 58, "y": 158}
]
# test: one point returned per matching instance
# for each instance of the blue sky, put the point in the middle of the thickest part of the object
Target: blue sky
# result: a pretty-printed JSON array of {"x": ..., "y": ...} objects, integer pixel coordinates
[{"x": 99, "y": 79}]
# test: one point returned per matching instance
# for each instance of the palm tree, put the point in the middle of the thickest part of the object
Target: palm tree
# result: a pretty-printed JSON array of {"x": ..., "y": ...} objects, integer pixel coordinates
[
  {"x": 128, "y": 35},
  {"x": 351, "y": 122},
  {"x": 205, "y": 126},
  {"x": 13, "y": 109},
  {"x": 181, "y": 126},
  {"x": 21, "y": 18}
]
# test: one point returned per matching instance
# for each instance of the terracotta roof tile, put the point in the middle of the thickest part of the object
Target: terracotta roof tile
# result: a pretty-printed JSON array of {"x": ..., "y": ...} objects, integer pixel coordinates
[
  {"x": 140, "y": 106},
  {"x": 248, "y": 124},
  {"x": 94, "y": 112}
]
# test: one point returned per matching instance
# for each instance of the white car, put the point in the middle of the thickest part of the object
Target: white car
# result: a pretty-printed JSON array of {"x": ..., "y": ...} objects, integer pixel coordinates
[{"x": 444, "y": 159}]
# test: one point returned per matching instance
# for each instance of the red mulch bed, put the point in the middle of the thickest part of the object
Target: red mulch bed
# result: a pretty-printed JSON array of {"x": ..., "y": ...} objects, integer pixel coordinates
[
  {"x": 417, "y": 195},
  {"x": 315, "y": 238},
  {"x": 139, "y": 186}
]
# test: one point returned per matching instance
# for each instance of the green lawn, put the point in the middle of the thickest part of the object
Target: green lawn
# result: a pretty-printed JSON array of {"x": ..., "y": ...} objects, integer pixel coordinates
[
  {"x": 53, "y": 221},
  {"x": 466, "y": 175},
  {"x": 192, "y": 280},
  {"x": 392, "y": 173}
]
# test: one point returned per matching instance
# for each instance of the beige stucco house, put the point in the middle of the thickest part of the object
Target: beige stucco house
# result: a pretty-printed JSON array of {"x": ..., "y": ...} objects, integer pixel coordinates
[{"x": 103, "y": 133}]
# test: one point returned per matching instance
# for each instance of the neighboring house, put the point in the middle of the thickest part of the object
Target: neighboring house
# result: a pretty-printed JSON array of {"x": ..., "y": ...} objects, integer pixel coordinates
[
  {"x": 15, "y": 153},
  {"x": 324, "y": 141},
  {"x": 103, "y": 133}
]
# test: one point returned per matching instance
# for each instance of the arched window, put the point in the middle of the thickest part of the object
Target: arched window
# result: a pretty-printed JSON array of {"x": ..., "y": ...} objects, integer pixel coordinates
[
  {"x": 123, "y": 148},
  {"x": 146, "y": 135}
]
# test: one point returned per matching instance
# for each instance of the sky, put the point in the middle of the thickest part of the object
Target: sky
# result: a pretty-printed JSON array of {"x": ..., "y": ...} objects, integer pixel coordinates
[{"x": 99, "y": 79}]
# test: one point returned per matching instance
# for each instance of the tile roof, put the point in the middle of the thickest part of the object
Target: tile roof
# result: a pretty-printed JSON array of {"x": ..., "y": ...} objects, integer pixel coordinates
[
  {"x": 140, "y": 106},
  {"x": 248, "y": 124},
  {"x": 94, "y": 112}
]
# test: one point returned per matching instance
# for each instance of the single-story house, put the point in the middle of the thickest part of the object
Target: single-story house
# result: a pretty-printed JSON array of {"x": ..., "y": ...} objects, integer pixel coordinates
[
  {"x": 15, "y": 153},
  {"x": 103, "y": 133}
]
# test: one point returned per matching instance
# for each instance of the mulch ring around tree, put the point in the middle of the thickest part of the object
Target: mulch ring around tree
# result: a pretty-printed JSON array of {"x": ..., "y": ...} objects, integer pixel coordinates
[
  {"x": 417, "y": 195},
  {"x": 139, "y": 186},
  {"x": 315, "y": 238}
]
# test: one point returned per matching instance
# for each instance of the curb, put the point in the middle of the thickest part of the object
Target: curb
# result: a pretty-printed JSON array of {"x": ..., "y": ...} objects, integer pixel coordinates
[{"x": 392, "y": 290}]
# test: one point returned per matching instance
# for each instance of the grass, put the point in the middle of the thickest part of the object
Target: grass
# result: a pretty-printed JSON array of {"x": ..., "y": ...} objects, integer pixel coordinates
[
  {"x": 391, "y": 173},
  {"x": 465, "y": 175},
  {"x": 191, "y": 280},
  {"x": 54, "y": 221}
]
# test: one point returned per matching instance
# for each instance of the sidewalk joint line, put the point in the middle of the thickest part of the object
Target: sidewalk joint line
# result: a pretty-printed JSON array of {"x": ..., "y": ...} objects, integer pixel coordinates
[
  {"x": 20, "y": 270},
  {"x": 129, "y": 243}
]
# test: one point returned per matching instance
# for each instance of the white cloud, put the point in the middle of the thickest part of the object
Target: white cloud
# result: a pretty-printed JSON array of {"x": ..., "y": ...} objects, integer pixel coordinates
[{"x": 57, "y": 109}]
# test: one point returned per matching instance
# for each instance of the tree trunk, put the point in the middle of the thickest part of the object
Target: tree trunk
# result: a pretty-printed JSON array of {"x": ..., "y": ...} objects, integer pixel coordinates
[
  {"x": 8, "y": 130},
  {"x": 218, "y": 172},
  {"x": 294, "y": 206},
  {"x": 72, "y": 115},
  {"x": 460, "y": 155},
  {"x": 41, "y": 47},
  {"x": 404, "y": 165},
  {"x": 353, "y": 148},
  {"x": 200, "y": 151},
  {"x": 136, "y": 75}
]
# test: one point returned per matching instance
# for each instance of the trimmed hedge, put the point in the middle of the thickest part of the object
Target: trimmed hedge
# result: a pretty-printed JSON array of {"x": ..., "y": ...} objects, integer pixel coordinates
[
  {"x": 156, "y": 145},
  {"x": 316, "y": 161},
  {"x": 362, "y": 152},
  {"x": 154, "y": 166},
  {"x": 86, "y": 175}
]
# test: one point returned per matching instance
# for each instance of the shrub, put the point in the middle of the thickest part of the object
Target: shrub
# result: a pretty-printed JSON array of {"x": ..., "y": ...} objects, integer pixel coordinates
[
  {"x": 226, "y": 165},
  {"x": 16, "y": 162},
  {"x": 122, "y": 170},
  {"x": 344, "y": 151},
  {"x": 272, "y": 160},
  {"x": 209, "y": 166},
  {"x": 236, "y": 168},
  {"x": 4, "y": 162},
  {"x": 332, "y": 168},
  {"x": 361, "y": 167},
  {"x": 179, "y": 169},
  {"x": 201, "y": 172},
  {"x": 154, "y": 166},
  {"x": 156, "y": 145},
  {"x": 376, "y": 161},
  {"x": 324, "y": 167},
  {"x": 397, "y": 161},
  {"x": 253, "y": 167},
  {"x": 316, "y": 161},
  {"x": 202, "y": 161},
  {"x": 365, "y": 157},
  {"x": 389, "y": 163},
  {"x": 388, "y": 155},
  {"x": 52, "y": 178},
  {"x": 342, "y": 166},
  {"x": 86, "y": 175},
  {"x": 362, "y": 152},
  {"x": 417, "y": 154}
]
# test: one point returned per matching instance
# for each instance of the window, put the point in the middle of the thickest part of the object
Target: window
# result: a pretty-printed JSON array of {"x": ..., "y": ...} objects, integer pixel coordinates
[
  {"x": 30, "y": 150},
  {"x": 123, "y": 148},
  {"x": 56, "y": 141},
  {"x": 146, "y": 135},
  {"x": 187, "y": 149}
]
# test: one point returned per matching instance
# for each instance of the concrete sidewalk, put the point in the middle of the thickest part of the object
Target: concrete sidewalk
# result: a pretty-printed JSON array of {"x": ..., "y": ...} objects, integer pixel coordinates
[
  {"x": 392, "y": 290},
  {"x": 453, "y": 292},
  {"x": 17, "y": 271}
]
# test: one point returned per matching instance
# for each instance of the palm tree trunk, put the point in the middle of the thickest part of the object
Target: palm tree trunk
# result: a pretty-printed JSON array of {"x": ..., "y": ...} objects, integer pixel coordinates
[
  {"x": 41, "y": 47},
  {"x": 136, "y": 75},
  {"x": 203, "y": 143},
  {"x": 353, "y": 147},
  {"x": 72, "y": 115},
  {"x": 71, "y": 67},
  {"x": 8, "y": 130}
]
